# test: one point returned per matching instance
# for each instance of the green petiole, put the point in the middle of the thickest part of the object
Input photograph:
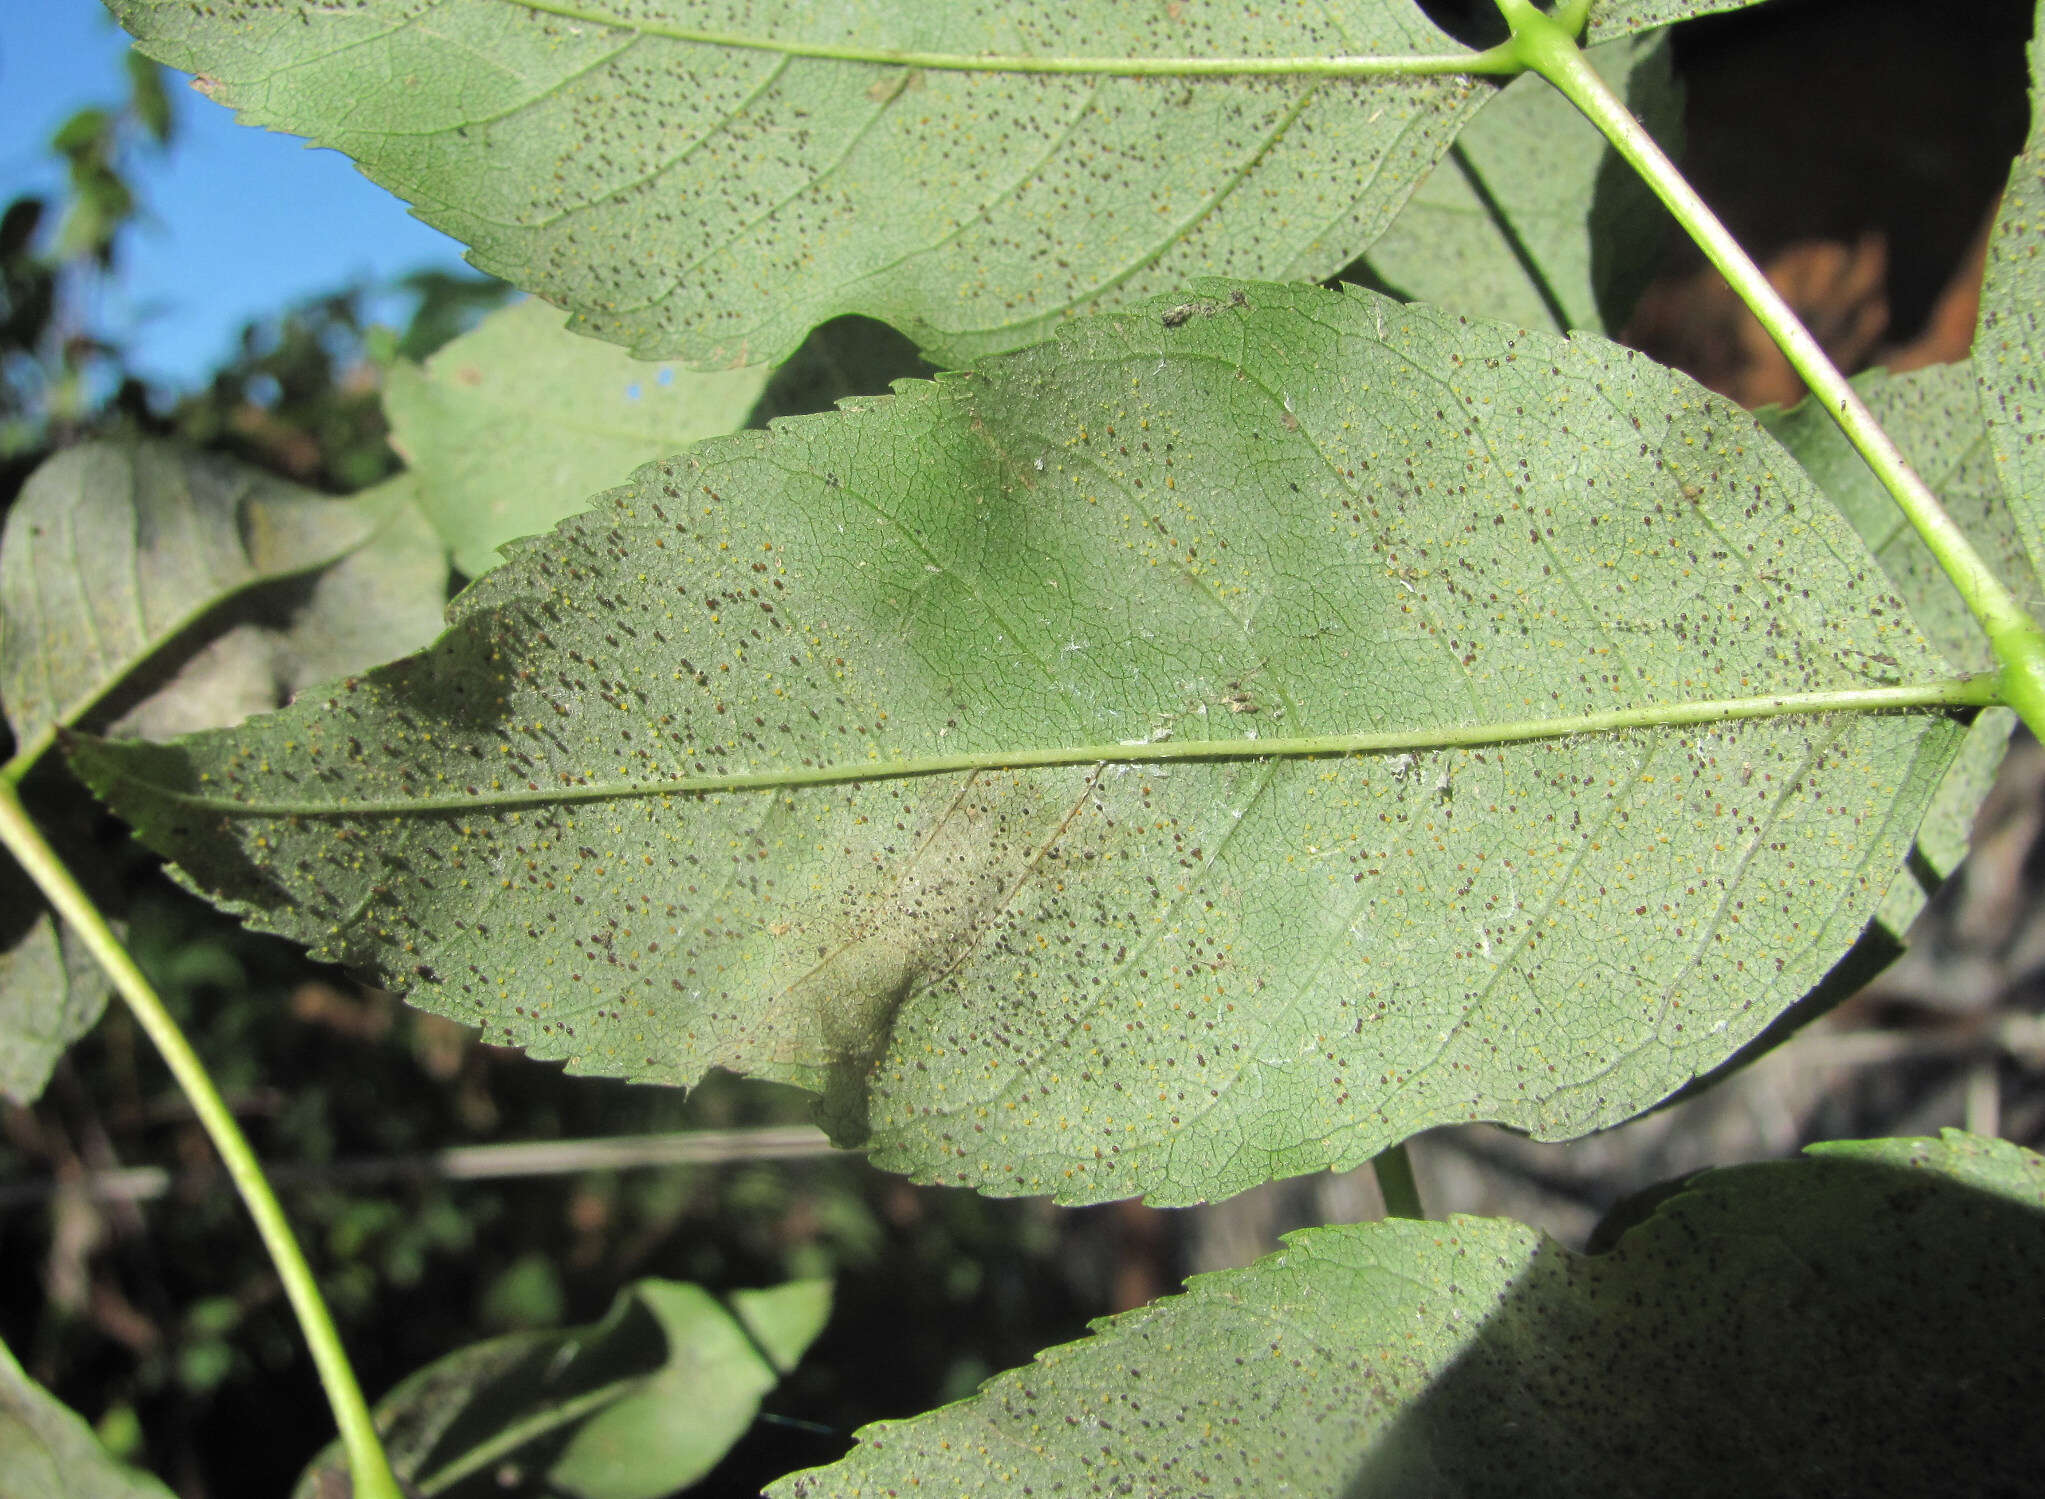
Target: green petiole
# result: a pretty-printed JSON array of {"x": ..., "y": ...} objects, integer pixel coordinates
[{"x": 1547, "y": 45}]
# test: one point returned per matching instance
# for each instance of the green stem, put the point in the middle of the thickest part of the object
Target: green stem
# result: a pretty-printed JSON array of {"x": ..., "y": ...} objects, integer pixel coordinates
[
  {"x": 1546, "y": 46},
  {"x": 1394, "y": 1168},
  {"x": 371, "y": 1469}
]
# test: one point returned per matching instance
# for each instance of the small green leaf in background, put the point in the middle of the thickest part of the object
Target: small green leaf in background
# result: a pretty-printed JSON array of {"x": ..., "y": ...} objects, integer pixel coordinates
[
  {"x": 514, "y": 425},
  {"x": 149, "y": 99},
  {"x": 1242, "y": 513},
  {"x": 119, "y": 563},
  {"x": 1861, "y": 1321},
  {"x": 114, "y": 552},
  {"x": 1531, "y": 218},
  {"x": 636, "y": 1406},
  {"x": 48, "y": 1452},
  {"x": 526, "y": 1293},
  {"x": 51, "y": 993}
]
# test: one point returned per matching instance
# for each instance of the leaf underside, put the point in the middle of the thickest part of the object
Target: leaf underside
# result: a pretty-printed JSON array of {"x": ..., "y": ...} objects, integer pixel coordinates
[
  {"x": 120, "y": 561},
  {"x": 113, "y": 551},
  {"x": 713, "y": 203},
  {"x": 1616, "y": 18},
  {"x": 1263, "y": 511},
  {"x": 1856, "y": 1322},
  {"x": 1935, "y": 416},
  {"x": 515, "y": 424},
  {"x": 971, "y": 209},
  {"x": 2011, "y": 335},
  {"x": 51, "y": 993},
  {"x": 1531, "y": 217}
]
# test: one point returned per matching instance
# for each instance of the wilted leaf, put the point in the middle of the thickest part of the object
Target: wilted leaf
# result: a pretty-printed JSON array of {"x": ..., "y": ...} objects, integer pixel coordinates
[
  {"x": 1856, "y": 1322},
  {"x": 517, "y": 423},
  {"x": 1531, "y": 217},
  {"x": 48, "y": 1452},
  {"x": 636, "y": 1406},
  {"x": 818, "y": 754},
  {"x": 114, "y": 552}
]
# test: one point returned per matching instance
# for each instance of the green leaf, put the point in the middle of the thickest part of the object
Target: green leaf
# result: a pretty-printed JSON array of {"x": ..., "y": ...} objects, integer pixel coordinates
[
  {"x": 1946, "y": 832},
  {"x": 2009, "y": 344},
  {"x": 51, "y": 993},
  {"x": 714, "y": 202},
  {"x": 148, "y": 98},
  {"x": 114, "y": 553},
  {"x": 1616, "y": 18},
  {"x": 86, "y": 134},
  {"x": 48, "y": 1452},
  {"x": 382, "y": 599},
  {"x": 120, "y": 563},
  {"x": 957, "y": 755},
  {"x": 636, "y": 1406},
  {"x": 1935, "y": 416},
  {"x": 1530, "y": 217},
  {"x": 516, "y": 424},
  {"x": 1855, "y": 1322}
]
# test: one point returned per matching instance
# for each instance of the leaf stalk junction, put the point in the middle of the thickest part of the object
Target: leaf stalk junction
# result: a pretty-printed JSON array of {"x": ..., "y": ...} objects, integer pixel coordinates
[{"x": 1547, "y": 45}]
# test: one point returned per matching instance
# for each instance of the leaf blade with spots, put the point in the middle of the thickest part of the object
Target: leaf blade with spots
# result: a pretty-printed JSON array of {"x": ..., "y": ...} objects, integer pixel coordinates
[
  {"x": 1617, "y": 18},
  {"x": 2009, "y": 343},
  {"x": 1531, "y": 217},
  {"x": 971, "y": 209},
  {"x": 1934, "y": 415},
  {"x": 1823, "y": 1324},
  {"x": 819, "y": 754}
]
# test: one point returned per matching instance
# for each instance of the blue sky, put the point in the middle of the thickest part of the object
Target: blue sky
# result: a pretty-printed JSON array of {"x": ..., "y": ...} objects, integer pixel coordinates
[{"x": 241, "y": 222}]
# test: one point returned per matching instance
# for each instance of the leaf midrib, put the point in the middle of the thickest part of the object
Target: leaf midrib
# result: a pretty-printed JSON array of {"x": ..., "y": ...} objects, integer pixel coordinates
[{"x": 1952, "y": 693}]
